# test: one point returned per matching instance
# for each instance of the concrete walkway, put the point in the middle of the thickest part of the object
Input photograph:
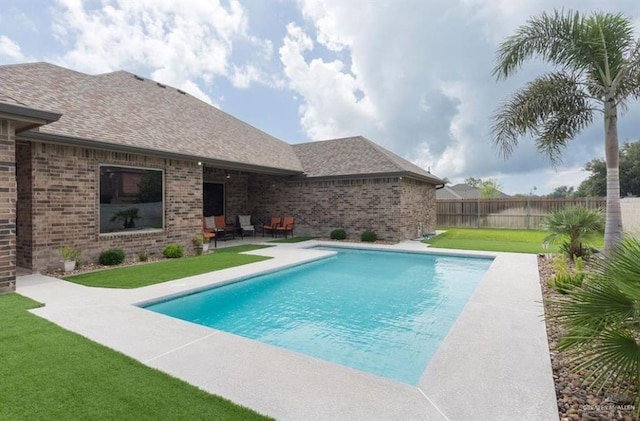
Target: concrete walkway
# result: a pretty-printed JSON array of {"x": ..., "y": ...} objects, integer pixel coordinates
[{"x": 493, "y": 365}]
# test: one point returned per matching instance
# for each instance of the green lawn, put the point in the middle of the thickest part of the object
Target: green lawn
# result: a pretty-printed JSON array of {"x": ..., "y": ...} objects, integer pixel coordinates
[
  {"x": 168, "y": 270},
  {"x": 49, "y": 373},
  {"x": 510, "y": 240}
]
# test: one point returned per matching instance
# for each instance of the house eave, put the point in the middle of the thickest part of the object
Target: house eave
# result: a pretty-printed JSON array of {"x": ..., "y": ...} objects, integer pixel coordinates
[
  {"x": 28, "y": 118},
  {"x": 108, "y": 146},
  {"x": 398, "y": 174}
]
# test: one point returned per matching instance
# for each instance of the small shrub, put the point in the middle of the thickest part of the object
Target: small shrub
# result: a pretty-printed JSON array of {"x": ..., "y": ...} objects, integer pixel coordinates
[
  {"x": 69, "y": 253},
  {"x": 173, "y": 251},
  {"x": 368, "y": 236},
  {"x": 198, "y": 241},
  {"x": 338, "y": 234},
  {"x": 574, "y": 226},
  {"x": 143, "y": 256},
  {"x": 111, "y": 257},
  {"x": 564, "y": 280}
]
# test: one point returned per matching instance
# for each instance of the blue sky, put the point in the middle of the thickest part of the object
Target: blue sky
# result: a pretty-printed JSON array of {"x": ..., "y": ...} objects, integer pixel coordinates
[{"x": 413, "y": 76}]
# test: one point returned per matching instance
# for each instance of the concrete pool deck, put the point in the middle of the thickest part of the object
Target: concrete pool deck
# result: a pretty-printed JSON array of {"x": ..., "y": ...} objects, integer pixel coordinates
[{"x": 493, "y": 365}]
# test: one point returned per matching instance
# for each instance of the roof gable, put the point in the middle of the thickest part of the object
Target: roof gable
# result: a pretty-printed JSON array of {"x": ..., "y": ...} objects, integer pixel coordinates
[
  {"x": 122, "y": 109},
  {"x": 354, "y": 156}
]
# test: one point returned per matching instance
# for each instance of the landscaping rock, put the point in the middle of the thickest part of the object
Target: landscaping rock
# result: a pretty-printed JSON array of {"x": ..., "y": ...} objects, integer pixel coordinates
[{"x": 576, "y": 401}]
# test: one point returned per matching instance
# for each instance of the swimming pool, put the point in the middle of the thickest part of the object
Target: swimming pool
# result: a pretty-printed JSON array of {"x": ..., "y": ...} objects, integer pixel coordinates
[{"x": 380, "y": 312}]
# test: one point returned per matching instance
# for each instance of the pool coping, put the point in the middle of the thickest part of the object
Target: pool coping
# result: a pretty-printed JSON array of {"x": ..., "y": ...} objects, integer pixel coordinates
[{"x": 493, "y": 364}]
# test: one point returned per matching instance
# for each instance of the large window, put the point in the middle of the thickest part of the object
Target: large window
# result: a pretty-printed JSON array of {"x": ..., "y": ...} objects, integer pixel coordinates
[{"x": 130, "y": 199}]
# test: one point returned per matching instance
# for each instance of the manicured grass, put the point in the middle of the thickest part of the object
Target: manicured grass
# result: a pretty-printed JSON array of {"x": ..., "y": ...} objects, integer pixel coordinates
[
  {"x": 292, "y": 240},
  {"x": 49, "y": 373},
  {"x": 168, "y": 270},
  {"x": 510, "y": 240}
]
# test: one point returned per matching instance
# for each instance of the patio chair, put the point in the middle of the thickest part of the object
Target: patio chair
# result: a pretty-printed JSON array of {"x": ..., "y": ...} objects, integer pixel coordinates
[
  {"x": 209, "y": 230},
  {"x": 244, "y": 221},
  {"x": 288, "y": 222},
  {"x": 275, "y": 221},
  {"x": 222, "y": 229}
]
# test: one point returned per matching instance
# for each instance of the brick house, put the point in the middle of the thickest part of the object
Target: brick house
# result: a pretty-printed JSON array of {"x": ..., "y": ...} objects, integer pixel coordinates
[{"x": 79, "y": 151}]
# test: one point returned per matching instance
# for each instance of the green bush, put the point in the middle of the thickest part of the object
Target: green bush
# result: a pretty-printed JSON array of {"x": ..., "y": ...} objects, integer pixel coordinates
[
  {"x": 111, "y": 257},
  {"x": 601, "y": 323},
  {"x": 338, "y": 234},
  {"x": 574, "y": 226},
  {"x": 564, "y": 280},
  {"x": 173, "y": 251},
  {"x": 368, "y": 236},
  {"x": 143, "y": 256},
  {"x": 69, "y": 253}
]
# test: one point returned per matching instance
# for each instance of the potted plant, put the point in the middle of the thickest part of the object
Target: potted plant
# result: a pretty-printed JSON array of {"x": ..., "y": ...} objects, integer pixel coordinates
[
  {"x": 70, "y": 256},
  {"x": 200, "y": 244},
  {"x": 127, "y": 216}
]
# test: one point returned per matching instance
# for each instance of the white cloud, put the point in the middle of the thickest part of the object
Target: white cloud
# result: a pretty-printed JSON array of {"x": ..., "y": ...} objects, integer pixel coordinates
[
  {"x": 334, "y": 100},
  {"x": 183, "y": 45},
  {"x": 381, "y": 83},
  {"x": 10, "y": 50},
  {"x": 416, "y": 77}
]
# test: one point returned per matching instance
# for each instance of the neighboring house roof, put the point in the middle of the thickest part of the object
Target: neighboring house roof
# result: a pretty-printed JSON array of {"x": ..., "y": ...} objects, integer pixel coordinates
[
  {"x": 447, "y": 193},
  {"x": 120, "y": 109},
  {"x": 462, "y": 191},
  {"x": 355, "y": 156}
]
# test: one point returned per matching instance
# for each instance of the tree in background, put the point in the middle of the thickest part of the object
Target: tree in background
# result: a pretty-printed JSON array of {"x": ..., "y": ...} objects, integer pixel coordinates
[
  {"x": 598, "y": 70},
  {"x": 595, "y": 184},
  {"x": 561, "y": 192},
  {"x": 473, "y": 182},
  {"x": 490, "y": 189}
]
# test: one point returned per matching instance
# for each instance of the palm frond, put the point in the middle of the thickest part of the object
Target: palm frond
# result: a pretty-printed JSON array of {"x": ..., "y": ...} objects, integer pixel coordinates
[
  {"x": 592, "y": 307},
  {"x": 552, "y": 108},
  {"x": 622, "y": 268},
  {"x": 602, "y": 320},
  {"x": 612, "y": 359},
  {"x": 598, "y": 44},
  {"x": 630, "y": 85}
]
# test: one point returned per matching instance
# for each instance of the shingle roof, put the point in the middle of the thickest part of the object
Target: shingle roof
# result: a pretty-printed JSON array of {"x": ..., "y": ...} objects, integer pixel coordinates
[
  {"x": 8, "y": 100},
  {"x": 354, "y": 156},
  {"x": 463, "y": 191},
  {"x": 447, "y": 193},
  {"x": 120, "y": 109}
]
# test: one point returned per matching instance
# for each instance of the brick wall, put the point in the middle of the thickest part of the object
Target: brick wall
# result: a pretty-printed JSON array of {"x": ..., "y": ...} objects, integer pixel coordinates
[
  {"x": 392, "y": 207},
  {"x": 8, "y": 197},
  {"x": 418, "y": 207},
  {"x": 65, "y": 204},
  {"x": 23, "y": 207}
]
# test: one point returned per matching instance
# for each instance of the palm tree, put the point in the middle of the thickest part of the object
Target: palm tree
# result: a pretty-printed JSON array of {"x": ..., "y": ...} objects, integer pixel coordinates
[
  {"x": 574, "y": 225},
  {"x": 602, "y": 322},
  {"x": 598, "y": 70}
]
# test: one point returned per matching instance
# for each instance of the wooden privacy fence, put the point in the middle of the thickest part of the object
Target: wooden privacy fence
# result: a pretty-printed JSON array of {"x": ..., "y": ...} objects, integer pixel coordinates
[{"x": 525, "y": 213}]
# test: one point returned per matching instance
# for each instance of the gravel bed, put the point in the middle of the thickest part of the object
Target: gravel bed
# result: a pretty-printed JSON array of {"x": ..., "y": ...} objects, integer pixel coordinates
[{"x": 575, "y": 400}]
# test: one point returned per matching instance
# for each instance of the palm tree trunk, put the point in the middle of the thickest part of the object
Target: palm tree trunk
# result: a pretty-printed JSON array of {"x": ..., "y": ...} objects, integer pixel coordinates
[{"x": 613, "y": 225}]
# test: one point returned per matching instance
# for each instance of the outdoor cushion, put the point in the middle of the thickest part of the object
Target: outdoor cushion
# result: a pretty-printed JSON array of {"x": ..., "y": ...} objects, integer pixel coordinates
[
  {"x": 209, "y": 222},
  {"x": 245, "y": 220}
]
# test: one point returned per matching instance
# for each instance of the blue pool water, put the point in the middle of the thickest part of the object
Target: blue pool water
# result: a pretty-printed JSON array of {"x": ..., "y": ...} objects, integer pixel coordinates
[{"x": 381, "y": 312}]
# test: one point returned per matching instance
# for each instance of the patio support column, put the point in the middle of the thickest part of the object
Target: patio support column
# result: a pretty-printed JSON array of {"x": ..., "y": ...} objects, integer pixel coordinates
[{"x": 8, "y": 197}]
